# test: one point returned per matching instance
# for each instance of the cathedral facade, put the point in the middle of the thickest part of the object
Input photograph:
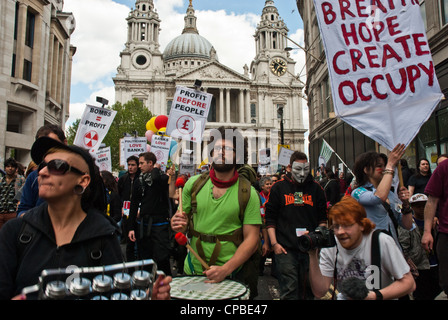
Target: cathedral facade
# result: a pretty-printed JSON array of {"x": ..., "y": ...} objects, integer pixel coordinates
[{"x": 264, "y": 100}]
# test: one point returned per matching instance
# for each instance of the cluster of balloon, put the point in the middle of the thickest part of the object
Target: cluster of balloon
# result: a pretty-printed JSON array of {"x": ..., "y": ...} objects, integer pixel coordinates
[{"x": 157, "y": 125}]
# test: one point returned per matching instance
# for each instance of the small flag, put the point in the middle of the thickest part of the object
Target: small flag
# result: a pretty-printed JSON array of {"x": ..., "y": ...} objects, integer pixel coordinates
[{"x": 325, "y": 152}]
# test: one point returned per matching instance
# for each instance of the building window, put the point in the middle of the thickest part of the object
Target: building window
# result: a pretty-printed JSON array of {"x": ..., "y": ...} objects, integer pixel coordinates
[
  {"x": 168, "y": 106},
  {"x": 327, "y": 96},
  {"x": 141, "y": 60},
  {"x": 13, "y": 68},
  {"x": 30, "y": 24},
  {"x": 253, "y": 110},
  {"x": 212, "y": 111},
  {"x": 16, "y": 19},
  {"x": 423, "y": 13},
  {"x": 444, "y": 11},
  {"x": 27, "y": 70},
  {"x": 280, "y": 108}
]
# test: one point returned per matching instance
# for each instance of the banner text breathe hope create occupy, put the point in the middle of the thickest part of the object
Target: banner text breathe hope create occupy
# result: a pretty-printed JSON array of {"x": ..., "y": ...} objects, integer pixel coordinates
[{"x": 381, "y": 57}]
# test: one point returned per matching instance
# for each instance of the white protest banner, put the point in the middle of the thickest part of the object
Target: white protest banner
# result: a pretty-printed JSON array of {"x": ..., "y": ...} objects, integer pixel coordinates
[
  {"x": 187, "y": 169},
  {"x": 103, "y": 159},
  {"x": 93, "y": 127},
  {"x": 160, "y": 146},
  {"x": 381, "y": 70},
  {"x": 133, "y": 146},
  {"x": 264, "y": 156},
  {"x": 284, "y": 156},
  {"x": 188, "y": 114}
]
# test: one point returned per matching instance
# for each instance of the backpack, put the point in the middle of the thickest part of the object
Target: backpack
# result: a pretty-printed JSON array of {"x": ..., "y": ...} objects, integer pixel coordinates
[
  {"x": 236, "y": 237},
  {"x": 248, "y": 273}
]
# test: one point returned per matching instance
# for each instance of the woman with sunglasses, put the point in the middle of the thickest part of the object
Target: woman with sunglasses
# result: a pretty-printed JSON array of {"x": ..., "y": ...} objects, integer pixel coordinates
[{"x": 69, "y": 229}]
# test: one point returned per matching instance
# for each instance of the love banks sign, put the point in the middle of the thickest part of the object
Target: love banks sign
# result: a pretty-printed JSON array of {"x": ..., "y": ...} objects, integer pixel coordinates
[
  {"x": 93, "y": 127},
  {"x": 188, "y": 114},
  {"x": 133, "y": 146},
  {"x": 160, "y": 146},
  {"x": 103, "y": 159},
  {"x": 381, "y": 70}
]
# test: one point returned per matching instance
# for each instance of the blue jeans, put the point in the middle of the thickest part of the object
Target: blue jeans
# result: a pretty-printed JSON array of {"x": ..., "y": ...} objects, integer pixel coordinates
[{"x": 292, "y": 271}]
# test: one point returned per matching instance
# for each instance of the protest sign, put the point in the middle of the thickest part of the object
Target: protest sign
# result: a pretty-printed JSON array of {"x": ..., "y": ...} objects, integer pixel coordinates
[
  {"x": 93, "y": 127},
  {"x": 133, "y": 146},
  {"x": 284, "y": 156},
  {"x": 160, "y": 146},
  {"x": 264, "y": 161},
  {"x": 103, "y": 159},
  {"x": 381, "y": 70},
  {"x": 188, "y": 114}
]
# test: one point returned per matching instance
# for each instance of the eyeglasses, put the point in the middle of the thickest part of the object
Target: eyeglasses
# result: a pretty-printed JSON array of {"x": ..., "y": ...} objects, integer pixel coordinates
[
  {"x": 335, "y": 227},
  {"x": 58, "y": 167},
  {"x": 223, "y": 148}
]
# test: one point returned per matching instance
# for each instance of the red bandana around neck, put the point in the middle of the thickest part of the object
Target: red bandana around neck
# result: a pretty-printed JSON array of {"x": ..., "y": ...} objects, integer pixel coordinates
[{"x": 223, "y": 184}]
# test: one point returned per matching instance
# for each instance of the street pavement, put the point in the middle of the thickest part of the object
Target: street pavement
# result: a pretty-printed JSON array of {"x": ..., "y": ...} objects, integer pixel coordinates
[{"x": 267, "y": 284}]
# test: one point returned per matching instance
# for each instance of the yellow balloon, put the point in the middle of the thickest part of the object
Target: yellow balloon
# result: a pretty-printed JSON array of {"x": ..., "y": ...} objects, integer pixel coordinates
[
  {"x": 162, "y": 131},
  {"x": 150, "y": 125}
]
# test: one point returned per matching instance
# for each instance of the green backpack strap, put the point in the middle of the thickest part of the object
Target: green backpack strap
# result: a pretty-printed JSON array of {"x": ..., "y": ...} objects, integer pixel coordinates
[
  {"x": 197, "y": 186},
  {"x": 243, "y": 195},
  {"x": 244, "y": 191}
]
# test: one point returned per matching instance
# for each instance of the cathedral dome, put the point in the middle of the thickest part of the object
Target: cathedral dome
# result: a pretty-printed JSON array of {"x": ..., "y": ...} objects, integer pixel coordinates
[{"x": 188, "y": 45}]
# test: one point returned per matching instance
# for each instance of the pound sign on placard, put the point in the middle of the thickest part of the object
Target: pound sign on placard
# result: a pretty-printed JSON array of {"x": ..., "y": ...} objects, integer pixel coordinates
[{"x": 185, "y": 126}]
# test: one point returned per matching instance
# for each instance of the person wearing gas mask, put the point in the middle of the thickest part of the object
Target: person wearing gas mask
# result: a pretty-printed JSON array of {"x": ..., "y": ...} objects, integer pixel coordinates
[{"x": 296, "y": 205}]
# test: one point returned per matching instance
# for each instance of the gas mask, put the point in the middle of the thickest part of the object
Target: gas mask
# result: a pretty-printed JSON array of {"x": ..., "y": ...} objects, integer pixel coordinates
[{"x": 300, "y": 171}]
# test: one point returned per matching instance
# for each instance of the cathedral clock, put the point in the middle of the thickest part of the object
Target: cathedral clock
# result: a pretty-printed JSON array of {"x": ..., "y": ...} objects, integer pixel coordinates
[{"x": 278, "y": 66}]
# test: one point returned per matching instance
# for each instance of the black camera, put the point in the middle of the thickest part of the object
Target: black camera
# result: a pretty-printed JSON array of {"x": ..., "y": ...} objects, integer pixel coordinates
[{"x": 322, "y": 237}]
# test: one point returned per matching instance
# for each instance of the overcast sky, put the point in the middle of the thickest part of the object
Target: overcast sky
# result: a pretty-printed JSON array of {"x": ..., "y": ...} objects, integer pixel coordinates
[{"x": 101, "y": 32}]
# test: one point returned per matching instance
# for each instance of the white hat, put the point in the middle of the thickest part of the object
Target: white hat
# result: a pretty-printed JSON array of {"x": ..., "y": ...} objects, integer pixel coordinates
[{"x": 418, "y": 197}]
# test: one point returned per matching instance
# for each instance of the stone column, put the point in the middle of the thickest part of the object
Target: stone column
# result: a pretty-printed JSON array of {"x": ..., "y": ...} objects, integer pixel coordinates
[
  {"x": 227, "y": 105},
  {"x": 247, "y": 104},
  {"x": 221, "y": 105},
  {"x": 241, "y": 106},
  {"x": 21, "y": 31}
]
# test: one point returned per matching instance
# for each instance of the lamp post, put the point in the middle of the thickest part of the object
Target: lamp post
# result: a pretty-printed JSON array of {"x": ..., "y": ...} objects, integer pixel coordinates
[
  {"x": 282, "y": 135},
  {"x": 102, "y": 100}
]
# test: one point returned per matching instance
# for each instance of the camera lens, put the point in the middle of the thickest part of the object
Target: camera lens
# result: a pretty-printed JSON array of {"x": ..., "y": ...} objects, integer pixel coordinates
[{"x": 305, "y": 243}]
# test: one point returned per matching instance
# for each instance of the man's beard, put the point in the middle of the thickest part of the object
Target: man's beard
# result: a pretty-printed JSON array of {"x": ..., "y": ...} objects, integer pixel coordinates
[{"x": 223, "y": 167}]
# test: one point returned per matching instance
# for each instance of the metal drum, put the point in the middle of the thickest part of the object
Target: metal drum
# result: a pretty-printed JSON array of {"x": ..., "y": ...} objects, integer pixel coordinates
[{"x": 195, "y": 288}]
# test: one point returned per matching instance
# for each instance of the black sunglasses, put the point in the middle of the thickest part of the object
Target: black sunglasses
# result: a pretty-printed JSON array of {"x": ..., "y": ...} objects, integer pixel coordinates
[{"x": 59, "y": 167}]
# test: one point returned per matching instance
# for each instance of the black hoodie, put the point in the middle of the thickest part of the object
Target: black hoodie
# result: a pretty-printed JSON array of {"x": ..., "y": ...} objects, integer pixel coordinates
[
  {"x": 21, "y": 264},
  {"x": 291, "y": 205}
]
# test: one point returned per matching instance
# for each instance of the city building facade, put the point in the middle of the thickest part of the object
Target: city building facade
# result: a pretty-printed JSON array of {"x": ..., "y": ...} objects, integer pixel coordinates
[
  {"x": 35, "y": 72},
  {"x": 257, "y": 100}
]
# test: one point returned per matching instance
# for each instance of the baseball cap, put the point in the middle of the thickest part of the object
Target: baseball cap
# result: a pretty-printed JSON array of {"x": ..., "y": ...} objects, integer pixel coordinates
[
  {"x": 95, "y": 195},
  {"x": 43, "y": 144},
  {"x": 418, "y": 197}
]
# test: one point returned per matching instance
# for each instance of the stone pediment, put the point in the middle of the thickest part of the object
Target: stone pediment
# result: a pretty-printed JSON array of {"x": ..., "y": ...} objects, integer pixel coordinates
[{"x": 214, "y": 71}]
